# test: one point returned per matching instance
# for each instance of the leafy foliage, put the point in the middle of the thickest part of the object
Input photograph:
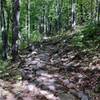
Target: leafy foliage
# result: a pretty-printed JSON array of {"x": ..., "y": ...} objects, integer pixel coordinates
[
  {"x": 3, "y": 66},
  {"x": 88, "y": 37}
]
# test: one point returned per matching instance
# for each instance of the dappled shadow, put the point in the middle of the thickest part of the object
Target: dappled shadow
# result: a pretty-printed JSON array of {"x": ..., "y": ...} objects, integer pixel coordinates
[{"x": 55, "y": 72}]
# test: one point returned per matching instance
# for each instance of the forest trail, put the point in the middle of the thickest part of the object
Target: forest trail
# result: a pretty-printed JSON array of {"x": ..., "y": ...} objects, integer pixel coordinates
[
  {"x": 54, "y": 71},
  {"x": 49, "y": 49}
]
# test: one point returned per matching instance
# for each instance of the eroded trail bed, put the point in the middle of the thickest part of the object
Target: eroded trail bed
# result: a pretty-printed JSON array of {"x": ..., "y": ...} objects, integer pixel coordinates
[{"x": 53, "y": 71}]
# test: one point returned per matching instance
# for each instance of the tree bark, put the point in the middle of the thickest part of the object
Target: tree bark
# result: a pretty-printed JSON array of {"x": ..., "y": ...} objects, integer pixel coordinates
[
  {"x": 58, "y": 14},
  {"x": 15, "y": 29},
  {"x": 28, "y": 21},
  {"x": 73, "y": 19},
  {"x": 81, "y": 11},
  {"x": 3, "y": 30}
]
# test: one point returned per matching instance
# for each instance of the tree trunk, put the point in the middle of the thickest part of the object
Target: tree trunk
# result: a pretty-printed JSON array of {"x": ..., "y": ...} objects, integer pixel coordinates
[
  {"x": 97, "y": 11},
  {"x": 73, "y": 19},
  {"x": 58, "y": 14},
  {"x": 15, "y": 29},
  {"x": 3, "y": 30},
  {"x": 28, "y": 21},
  {"x": 81, "y": 11}
]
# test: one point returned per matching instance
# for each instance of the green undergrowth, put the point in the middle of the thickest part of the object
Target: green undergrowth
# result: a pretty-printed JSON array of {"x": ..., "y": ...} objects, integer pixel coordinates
[
  {"x": 88, "y": 38},
  {"x": 9, "y": 70},
  {"x": 3, "y": 66}
]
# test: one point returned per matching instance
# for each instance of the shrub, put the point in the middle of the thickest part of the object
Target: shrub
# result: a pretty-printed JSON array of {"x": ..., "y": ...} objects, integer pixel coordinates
[{"x": 89, "y": 37}]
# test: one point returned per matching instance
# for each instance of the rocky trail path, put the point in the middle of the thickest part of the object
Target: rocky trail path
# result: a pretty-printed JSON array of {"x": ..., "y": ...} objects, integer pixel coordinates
[{"x": 53, "y": 72}]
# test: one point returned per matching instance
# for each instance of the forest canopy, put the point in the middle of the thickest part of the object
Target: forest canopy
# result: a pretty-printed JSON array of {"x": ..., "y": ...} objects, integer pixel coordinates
[{"x": 25, "y": 21}]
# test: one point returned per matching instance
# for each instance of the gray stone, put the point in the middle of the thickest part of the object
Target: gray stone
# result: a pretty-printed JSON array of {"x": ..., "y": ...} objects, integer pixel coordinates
[{"x": 66, "y": 96}]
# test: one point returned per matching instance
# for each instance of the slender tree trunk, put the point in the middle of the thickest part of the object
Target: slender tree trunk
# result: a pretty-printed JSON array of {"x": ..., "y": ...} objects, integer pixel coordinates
[
  {"x": 58, "y": 14},
  {"x": 97, "y": 11},
  {"x": 28, "y": 21},
  {"x": 73, "y": 24},
  {"x": 15, "y": 29},
  {"x": 91, "y": 10},
  {"x": 44, "y": 20},
  {"x": 3, "y": 30},
  {"x": 8, "y": 20},
  {"x": 47, "y": 21},
  {"x": 0, "y": 17},
  {"x": 81, "y": 11}
]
